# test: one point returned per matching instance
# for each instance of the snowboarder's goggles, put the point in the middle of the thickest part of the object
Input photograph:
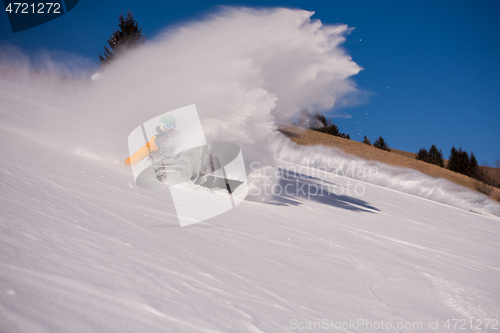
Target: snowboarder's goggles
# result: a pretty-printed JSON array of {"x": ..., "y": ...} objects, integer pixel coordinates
[{"x": 168, "y": 125}]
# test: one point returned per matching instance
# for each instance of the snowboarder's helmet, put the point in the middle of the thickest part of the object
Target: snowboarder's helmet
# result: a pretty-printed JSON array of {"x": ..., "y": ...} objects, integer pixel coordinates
[{"x": 167, "y": 122}]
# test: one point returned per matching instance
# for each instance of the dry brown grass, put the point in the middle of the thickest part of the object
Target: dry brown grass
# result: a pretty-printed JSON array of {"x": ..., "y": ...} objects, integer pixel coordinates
[
  {"x": 490, "y": 175},
  {"x": 395, "y": 157}
]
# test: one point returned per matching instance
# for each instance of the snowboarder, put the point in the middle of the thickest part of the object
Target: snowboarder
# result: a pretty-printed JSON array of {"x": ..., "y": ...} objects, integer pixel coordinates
[
  {"x": 163, "y": 151},
  {"x": 163, "y": 140},
  {"x": 158, "y": 145},
  {"x": 165, "y": 145}
]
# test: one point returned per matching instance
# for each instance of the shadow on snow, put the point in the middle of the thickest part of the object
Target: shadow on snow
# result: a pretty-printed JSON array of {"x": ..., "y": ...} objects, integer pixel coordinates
[{"x": 296, "y": 188}]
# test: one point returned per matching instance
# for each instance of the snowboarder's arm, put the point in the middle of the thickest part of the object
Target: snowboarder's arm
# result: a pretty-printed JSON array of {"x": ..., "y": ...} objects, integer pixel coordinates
[{"x": 142, "y": 153}]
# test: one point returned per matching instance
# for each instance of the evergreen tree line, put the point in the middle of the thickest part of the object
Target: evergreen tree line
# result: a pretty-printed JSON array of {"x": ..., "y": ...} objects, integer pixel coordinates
[
  {"x": 461, "y": 162},
  {"x": 433, "y": 156},
  {"x": 380, "y": 143}
]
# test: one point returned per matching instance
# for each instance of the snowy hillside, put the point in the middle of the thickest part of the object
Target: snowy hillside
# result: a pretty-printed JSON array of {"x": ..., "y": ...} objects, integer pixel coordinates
[{"x": 84, "y": 250}]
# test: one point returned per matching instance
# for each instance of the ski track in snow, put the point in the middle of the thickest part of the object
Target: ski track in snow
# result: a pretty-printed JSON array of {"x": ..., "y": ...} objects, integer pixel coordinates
[{"x": 82, "y": 250}]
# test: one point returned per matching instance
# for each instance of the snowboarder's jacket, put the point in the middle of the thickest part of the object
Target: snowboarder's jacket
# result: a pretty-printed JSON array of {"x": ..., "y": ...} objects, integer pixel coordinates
[{"x": 157, "y": 145}]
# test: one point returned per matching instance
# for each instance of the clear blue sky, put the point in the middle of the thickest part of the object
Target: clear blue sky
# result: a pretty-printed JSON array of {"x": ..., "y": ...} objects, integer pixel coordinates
[{"x": 432, "y": 68}]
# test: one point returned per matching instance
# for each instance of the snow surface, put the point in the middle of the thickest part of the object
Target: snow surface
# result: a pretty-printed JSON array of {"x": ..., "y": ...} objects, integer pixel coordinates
[{"x": 85, "y": 250}]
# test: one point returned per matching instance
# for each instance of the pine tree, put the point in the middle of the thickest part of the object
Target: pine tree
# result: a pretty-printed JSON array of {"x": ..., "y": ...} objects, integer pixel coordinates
[
  {"x": 367, "y": 141},
  {"x": 433, "y": 156},
  {"x": 463, "y": 162},
  {"x": 473, "y": 168},
  {"x": 422, "y": 155},
  {"x": 321, "y": 118},
  {"x": 128, "y": 36},
  {"x": 460, "y": 161},
  {"x": 381, "y": 144},
  {"x": 453, "y": 160},
  {"x": 332, "y": 128},
  {"x": 436, "y": 156}
]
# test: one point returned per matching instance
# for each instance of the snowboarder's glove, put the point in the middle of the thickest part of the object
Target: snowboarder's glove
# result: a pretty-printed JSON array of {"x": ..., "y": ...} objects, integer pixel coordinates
[{"x": 152, "y": 156}]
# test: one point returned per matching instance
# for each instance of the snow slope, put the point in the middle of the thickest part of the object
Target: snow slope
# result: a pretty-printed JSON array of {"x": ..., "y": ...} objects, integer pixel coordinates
[{"x": 85, "y": 250}]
